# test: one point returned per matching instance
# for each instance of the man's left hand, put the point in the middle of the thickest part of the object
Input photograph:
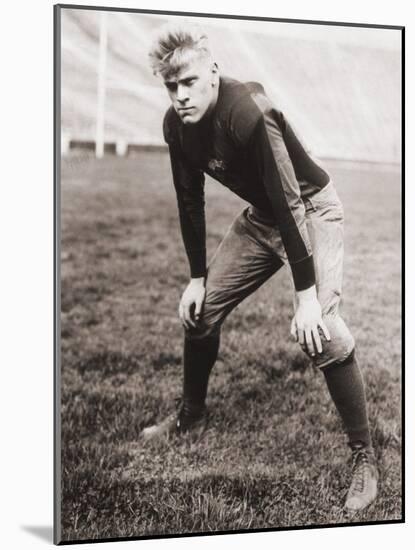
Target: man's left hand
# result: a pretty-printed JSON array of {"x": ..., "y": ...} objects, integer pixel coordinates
[{"x": 307, "y": 321}]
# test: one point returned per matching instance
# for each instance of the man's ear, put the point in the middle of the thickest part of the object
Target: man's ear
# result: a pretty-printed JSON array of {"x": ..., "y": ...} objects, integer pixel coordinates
[{"x": 215, "y": 73}]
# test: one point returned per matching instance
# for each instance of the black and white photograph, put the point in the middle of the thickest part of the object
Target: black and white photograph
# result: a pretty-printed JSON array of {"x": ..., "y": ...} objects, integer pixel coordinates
[{"x": 228, "y": 220}]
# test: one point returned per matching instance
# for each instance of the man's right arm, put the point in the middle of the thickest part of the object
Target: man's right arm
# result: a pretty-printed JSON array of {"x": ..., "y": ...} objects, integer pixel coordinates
[{"x": 189, "y": 185}]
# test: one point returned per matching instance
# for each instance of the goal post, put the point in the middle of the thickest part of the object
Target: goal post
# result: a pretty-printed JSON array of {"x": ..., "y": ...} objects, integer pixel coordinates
[{"x": 101, "y": 85}]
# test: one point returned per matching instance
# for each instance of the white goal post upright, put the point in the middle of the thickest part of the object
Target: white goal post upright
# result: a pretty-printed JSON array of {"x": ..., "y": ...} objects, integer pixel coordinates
[{"x": 103, "y": 37}]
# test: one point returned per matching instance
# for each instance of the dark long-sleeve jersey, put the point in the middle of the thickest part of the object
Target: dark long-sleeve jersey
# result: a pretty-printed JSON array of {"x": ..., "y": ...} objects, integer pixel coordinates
[{"x": 247, "y": 145}]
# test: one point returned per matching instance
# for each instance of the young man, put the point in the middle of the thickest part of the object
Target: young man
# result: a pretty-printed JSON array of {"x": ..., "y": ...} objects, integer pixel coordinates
[{"x": 232, "y": 132}]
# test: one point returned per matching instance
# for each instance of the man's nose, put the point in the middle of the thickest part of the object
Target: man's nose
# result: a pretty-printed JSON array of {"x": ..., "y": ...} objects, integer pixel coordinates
[{"x": 182, "y": 93}]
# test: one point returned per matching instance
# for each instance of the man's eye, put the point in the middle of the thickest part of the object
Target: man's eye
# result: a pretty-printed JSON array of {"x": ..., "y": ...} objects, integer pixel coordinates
[{"x": 171, "y": 87}]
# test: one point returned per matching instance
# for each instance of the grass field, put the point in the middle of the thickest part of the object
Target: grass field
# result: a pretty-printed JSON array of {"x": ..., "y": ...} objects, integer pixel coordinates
[{"x": 274, "y": 454}]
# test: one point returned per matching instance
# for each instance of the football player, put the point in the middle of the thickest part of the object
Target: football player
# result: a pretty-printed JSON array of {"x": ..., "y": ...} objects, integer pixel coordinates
[{"x": 232, "y": 131}]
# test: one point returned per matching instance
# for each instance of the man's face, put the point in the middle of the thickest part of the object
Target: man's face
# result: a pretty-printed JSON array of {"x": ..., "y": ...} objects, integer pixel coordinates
[{"x": 193, "y": 90}]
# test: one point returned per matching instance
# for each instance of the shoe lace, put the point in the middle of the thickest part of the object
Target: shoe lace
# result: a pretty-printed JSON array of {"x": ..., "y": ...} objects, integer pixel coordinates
[
  {"x": 360, "y": 469},
  {"x": 178, "y": 404}
]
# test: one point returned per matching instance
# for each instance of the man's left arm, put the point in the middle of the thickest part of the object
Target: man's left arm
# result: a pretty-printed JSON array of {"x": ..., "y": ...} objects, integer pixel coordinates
[{"x": 278, "y": 175}]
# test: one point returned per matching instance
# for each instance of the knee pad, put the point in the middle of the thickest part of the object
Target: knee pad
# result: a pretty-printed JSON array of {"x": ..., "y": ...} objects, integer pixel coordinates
[
  {"x": 209, "y": 324},
  {"x": 340, "y": 346}
]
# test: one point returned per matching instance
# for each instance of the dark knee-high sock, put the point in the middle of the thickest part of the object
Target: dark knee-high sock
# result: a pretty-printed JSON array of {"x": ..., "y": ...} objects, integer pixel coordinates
[
  {"x": 198, "y": 359},
  {"x": 346, "y": 387}
]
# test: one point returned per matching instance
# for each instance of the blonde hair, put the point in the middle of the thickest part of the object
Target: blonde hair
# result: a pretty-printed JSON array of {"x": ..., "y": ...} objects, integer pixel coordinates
[{"x": 175, "y": 45}]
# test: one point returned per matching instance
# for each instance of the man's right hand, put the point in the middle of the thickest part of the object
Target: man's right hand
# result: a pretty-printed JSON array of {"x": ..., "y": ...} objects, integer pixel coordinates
[{"x": 190, "y": 308}]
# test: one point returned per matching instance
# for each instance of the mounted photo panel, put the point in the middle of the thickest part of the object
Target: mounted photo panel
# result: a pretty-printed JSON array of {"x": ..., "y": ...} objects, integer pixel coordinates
[{"x": 228, "y": 274}]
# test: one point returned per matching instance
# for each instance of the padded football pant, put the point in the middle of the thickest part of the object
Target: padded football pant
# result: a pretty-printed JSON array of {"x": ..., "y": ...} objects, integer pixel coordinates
[{"x": 252, "y": 251}]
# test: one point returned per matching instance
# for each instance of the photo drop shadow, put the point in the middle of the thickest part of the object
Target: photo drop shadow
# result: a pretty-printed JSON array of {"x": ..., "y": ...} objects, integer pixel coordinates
[{"x": 44, "y": 532}]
